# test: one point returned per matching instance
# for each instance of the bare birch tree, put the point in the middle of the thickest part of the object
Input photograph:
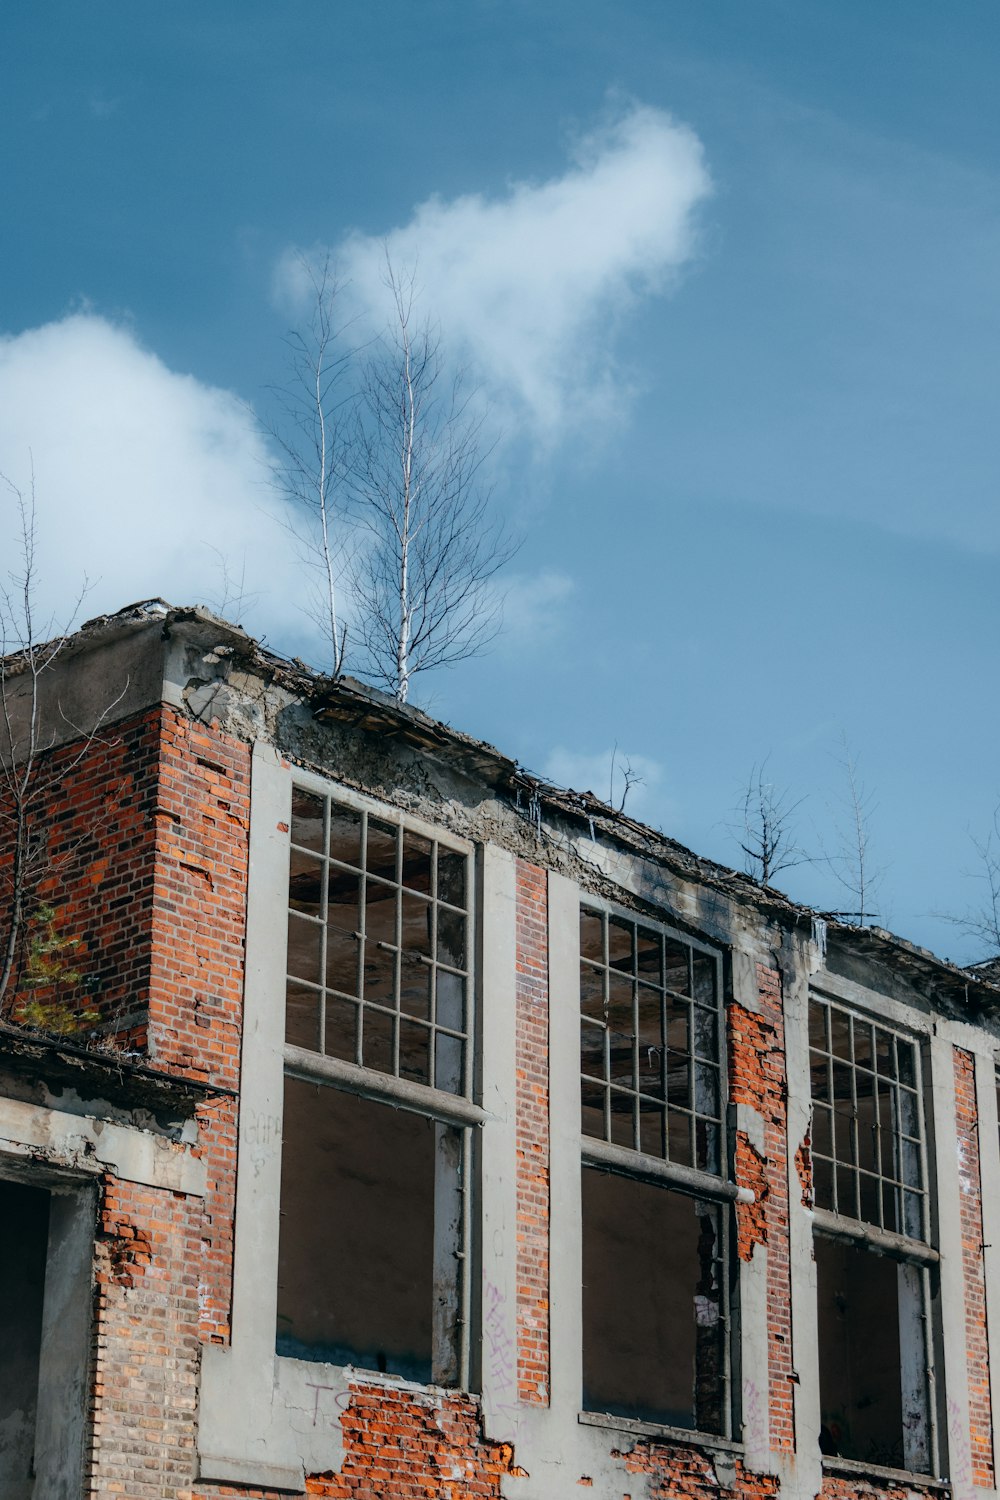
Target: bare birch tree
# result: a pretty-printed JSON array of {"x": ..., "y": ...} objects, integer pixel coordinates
[
  {"x": 852, "y": 859},
  {"x": 27, "y": 653},
  {"x": 982, "y": 921},
  {"x": 312, "y": 470},
  {"x": 765, "y": 828},
  {"x": 428, "y": 547}
]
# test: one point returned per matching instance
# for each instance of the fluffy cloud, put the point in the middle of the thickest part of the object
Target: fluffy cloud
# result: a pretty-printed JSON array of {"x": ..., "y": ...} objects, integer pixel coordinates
[
  {"x": 143, "y": 476},
  {"x": 527, "y": 286}
]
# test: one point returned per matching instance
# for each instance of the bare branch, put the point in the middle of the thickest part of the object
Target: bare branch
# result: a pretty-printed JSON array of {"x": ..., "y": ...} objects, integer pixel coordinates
[
  {"x": 982, "y": 921},
  {"x": 851, "y": 861},
  {"x": 313, "y": 442},
  {"x": 630, "y": 777},
  {"x": 764, "y": 827}
]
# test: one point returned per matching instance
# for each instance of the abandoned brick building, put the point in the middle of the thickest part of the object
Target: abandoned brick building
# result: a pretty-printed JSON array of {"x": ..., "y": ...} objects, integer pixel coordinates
[{"x": 433, "y": 1132}]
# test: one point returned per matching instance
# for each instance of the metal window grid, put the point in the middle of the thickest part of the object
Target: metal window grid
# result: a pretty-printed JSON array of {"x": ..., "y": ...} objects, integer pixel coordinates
[
  {"x": 368, "y": 992},
  {"x": 868, "y": 1135},
  {"x": 651, "y": 1041}
]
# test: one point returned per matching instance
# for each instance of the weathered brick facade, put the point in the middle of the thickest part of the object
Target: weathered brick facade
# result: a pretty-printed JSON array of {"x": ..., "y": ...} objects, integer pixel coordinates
[{"x": 152, "y": 850}]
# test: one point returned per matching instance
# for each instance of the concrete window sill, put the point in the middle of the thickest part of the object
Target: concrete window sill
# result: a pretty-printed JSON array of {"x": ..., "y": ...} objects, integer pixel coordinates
[
  {"x": 685, "y": 1435},
  {"x": 854, "y": 1466}
]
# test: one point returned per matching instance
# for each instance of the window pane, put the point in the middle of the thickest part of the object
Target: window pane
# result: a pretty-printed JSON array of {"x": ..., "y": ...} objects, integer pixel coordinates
[
  {"x": 415, "y": 988},
  {"x": 451, "y": 938},
  {"x": 450, "y": 1001},
  {"x": 417, "y": 861},
  {"x": 414, "y": 1051},
  {"x": 648, "y": 944},
  {"x": 620, "y": 944},
  {"x": 307, "y": 820},
  {"x": 305, "y": 883},
  {"x": 341, "y": 1029},
  {"x": 380, "y": 912},
  {"x": 302, "y": 1012},
  {"x": 342, "y": 953},
  {"x": 304, "y": 948},
  {"x": 345, "y": 835},
  {"x": 380, "y": 855},
  {"x": 591, "y": 935},
  {"x": 449, "y": 1059},
  {"x": 451, "y": 877},
  {"x": 417, "y": 924}
]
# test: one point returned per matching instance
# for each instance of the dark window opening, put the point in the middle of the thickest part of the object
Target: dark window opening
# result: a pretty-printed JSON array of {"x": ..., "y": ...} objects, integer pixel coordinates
[
  {"x": 655, "y": 1304},
  {"x": 874, "y": 1394},
  {"x": 24, "y": 1211},
  {"x": 371, "y": 1230},
  {"x": 46, "y": 1256}
]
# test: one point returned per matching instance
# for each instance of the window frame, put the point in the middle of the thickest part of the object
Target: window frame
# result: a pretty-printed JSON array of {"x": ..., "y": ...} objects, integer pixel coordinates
[
  {"x": 919, "y": 1253},
  {"x": 457, "y": 1110},
  {"x": 719, "y": 1189}
]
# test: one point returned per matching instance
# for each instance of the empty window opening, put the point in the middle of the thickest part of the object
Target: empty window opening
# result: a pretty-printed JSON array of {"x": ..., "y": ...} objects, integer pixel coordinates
[
  {"x": 873, "y": 1357},
  {"x": 24, "y": 1211},
  {"x": 654, "y": 1304},
  {"x": 46, "y": 1257},
  {"x": 371, "y": 1230}
]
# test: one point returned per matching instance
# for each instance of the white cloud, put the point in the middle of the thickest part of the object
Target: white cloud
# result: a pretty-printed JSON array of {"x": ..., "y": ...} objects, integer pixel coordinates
[
  {"x": 527, "y": 286},
  {"x": 140, "y": 473},
  {"x": 534, "y": 606},
  {"x": 603, "y": 773}
]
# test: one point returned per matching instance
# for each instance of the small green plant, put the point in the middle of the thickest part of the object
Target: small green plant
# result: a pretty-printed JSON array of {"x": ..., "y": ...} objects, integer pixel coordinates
[{"x": 48, "y": 971}]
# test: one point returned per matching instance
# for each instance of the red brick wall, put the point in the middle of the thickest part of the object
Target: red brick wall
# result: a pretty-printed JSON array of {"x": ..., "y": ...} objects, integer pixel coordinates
[
  {"x": 532, "y": 1094},
  {"x": 970, "y": 1194},
  {"x": 199, "y": 901},
  {"x": 757, "y": 1078},
  {"x": 93, "y": 810},
  {"x": 401, "y": 1445},
  {"x": 145, "y": 1358},
  {"x": 196, "y": 971}
]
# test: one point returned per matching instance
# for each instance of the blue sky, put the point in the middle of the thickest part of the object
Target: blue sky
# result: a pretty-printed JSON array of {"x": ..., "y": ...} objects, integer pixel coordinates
[{"x": 729, "y": 274}]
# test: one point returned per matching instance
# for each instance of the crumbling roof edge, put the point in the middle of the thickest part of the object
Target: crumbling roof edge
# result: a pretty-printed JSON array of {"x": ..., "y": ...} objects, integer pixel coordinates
[
  {"x": 349, "y": 701},
  {"x": 116, "y": 1076}
]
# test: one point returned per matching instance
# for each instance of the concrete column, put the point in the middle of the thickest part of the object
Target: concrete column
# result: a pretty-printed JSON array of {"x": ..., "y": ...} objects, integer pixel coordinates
[{"x": 498, "y": 1151}]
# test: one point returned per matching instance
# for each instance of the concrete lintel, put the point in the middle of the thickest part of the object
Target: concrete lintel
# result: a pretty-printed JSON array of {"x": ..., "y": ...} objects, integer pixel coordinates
[
  {"x": 80, "y": 1143},
  {"x": 213, "y": 1468}
]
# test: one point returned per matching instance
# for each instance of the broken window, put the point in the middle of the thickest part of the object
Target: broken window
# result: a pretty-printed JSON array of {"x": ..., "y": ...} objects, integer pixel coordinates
[
  {"x": 875, "y": 1265},
  {"x": 378, "y": 1116},
  {"x": 656, "y": 1190}
]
